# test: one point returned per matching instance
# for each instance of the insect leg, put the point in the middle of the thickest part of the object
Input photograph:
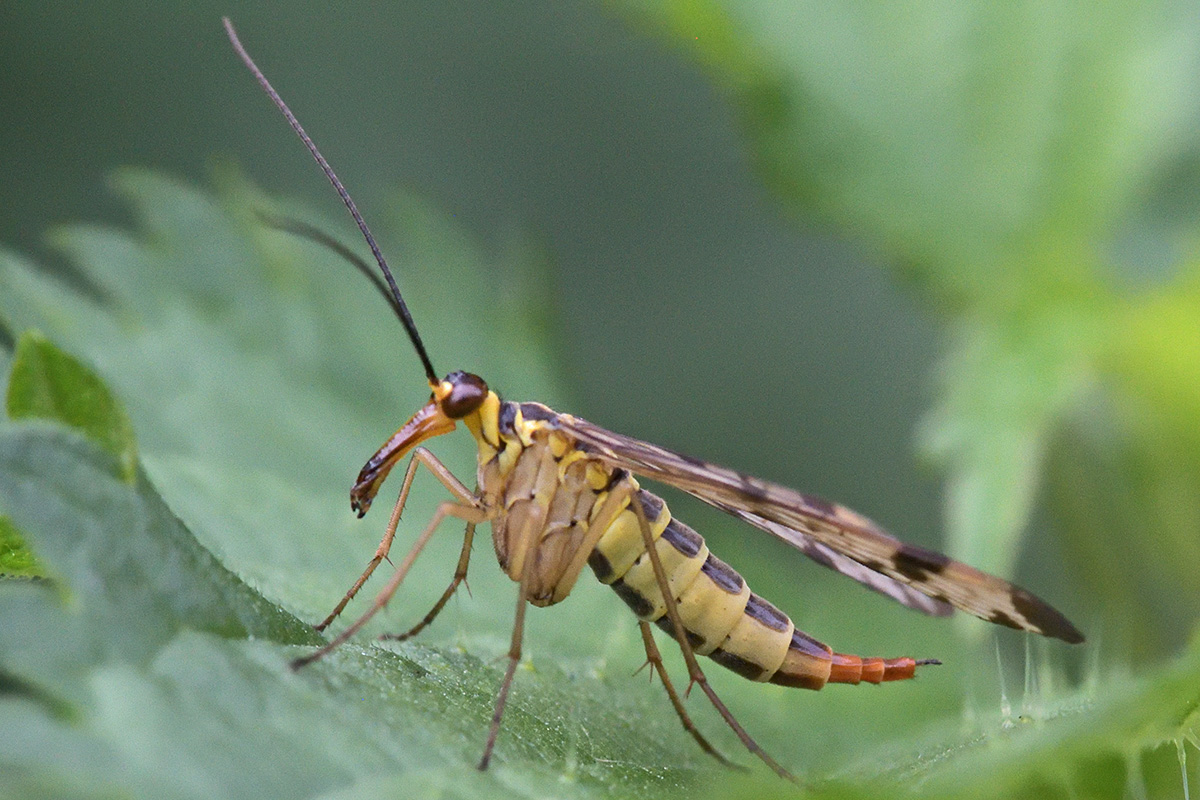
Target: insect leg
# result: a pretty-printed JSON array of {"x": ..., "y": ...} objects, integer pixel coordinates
[
  {"x": 460, "y": 574},
  {"x": 452, "y": 484},
  {"x": 612, "y": 508},
  {"x": 471, "y": 513},
  {"x": 694, "y": 672},
  {"x": 654, "y": 658},
  {"x": 514, "y": 657}
]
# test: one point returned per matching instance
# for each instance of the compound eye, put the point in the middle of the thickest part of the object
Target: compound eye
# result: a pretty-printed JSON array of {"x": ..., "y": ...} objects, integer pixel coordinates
[{"x": 467, "y": 393}]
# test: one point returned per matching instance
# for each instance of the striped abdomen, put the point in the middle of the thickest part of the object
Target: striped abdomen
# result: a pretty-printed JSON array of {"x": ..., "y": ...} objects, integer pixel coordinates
[{"x": 724, "y": 620}]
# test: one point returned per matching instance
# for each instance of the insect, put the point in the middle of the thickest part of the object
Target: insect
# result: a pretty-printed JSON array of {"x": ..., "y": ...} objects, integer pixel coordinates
[{"x": 561, "y": 493}]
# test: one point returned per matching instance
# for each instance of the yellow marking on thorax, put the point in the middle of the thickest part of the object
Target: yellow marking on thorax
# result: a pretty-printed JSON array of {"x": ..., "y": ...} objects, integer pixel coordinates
[
  {"x": 597, "y": 478},
  {"x": 484, "y": 425},
  {"x": 566, "y": 460}
]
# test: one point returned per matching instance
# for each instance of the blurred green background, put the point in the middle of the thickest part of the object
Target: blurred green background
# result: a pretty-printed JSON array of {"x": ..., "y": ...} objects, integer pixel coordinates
[{"x": 937, "y": 262}]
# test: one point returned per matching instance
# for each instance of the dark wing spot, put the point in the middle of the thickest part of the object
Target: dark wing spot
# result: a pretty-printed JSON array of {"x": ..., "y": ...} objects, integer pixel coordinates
[
  {"x": 723, "y": 575},
  {"x": 874, "y": 566},
  {"x": 915, "y": 563},
  {"x": 753, "y": 489},
  {"x": 820, "y": 506},
  {"x": 1048, "y": 621},
  {"x": 1000, "y": 618}
]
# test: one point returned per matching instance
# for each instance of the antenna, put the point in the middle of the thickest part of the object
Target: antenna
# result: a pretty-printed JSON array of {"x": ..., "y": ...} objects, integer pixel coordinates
[
  {"x": 314, "y": 234},
  {"x": 394, "y": 291}
]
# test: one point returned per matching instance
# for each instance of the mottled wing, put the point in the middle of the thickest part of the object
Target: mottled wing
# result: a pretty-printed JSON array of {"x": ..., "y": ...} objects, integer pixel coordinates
[
  {"x": 828, "y": 557},
  {"x": 801, "y": 519}
]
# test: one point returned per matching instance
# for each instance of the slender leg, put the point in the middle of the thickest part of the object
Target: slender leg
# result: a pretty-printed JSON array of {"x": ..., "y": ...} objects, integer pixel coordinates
[
  {"x": 694, "y": 672},
  {"x": 654, "y": 659},
  {"x": 446, "y": 509},
  {"x": 514, "y": 657},
  {"x": 460, "y": 574},
  {"x": 455, "y": 487},
  {"x": 529, "y": 537}
]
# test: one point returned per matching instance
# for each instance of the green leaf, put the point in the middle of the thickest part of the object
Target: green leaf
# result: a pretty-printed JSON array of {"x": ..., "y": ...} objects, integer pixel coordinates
[
  {"x": 1097, "y": 735},
  {"x": 131, "y": 573},
  {"x": 46, "y": 383},
  {"x": 15, "y": 558}
]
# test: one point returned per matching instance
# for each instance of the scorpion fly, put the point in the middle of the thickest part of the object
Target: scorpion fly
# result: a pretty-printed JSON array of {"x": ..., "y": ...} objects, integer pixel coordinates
[{"x": 561, "y": 493}]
